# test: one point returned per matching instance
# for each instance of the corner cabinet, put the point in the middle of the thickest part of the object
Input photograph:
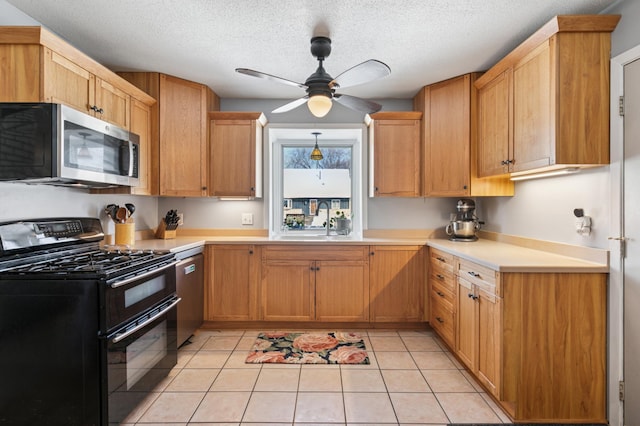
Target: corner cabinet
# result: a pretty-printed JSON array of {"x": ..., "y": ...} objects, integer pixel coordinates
[
  {"x": 548, "y": 100},
  {"x": 394, "y": 146},
  {"x": 232, "y": 277},
  {"x": 235, "y": 153},
  {"x": 179, "y": 130},
  {"x": 306, "y": 283},
  {"x": 449, "y": 136},
  {"x": 397, "y": 281}
]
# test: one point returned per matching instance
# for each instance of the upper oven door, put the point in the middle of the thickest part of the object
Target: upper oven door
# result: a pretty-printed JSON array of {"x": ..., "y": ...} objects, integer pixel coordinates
[
  {"x": 94, "y": 150},
  {"x": 128, "y": 297}
]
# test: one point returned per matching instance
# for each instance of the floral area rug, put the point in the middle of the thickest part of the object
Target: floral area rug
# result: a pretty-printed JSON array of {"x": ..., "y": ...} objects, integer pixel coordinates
[{"x": 308, "y": 348}]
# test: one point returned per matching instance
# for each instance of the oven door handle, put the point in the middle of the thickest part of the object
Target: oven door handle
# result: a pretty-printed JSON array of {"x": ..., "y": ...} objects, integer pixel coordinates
[
  {"x": 120, "y": 336},
  {"x": 137, "y": 277}
]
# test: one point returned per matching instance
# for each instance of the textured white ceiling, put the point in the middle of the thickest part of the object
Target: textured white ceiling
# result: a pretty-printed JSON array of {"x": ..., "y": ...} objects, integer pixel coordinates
[{"x": 423, "y": 41}]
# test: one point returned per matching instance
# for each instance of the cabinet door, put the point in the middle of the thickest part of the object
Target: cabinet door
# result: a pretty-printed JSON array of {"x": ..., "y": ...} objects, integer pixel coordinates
[
  {"x": 233, "y": 157},
  {"x": 397, "y": 283},
  {"x": 232, "y": 283},
  {"x": 467, "y": 327},
  {"x": 494, "y": 130},
  {"x": 141, "y": 126},
  {"x": 447, "y": 144},
  {"x": 183, "y": 136},
  {"x": 396, "y": 158},
  {"x": 287, "y": 290},
  {"x": 342, "y": 290},
  {"x": 67, "y": 83},
  {"x": 532, "y": 112},
  {"x": 113, "y": 104},
  {"x": 489, "y": 341}
]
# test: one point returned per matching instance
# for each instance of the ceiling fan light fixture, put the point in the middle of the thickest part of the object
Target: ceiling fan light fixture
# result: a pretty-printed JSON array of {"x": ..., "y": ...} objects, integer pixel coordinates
[{"x": 319, "y": 105}]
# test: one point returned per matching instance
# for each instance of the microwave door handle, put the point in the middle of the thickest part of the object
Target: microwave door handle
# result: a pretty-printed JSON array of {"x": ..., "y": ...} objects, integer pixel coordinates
[
  {"x": 131, "y": 159},
  {"x": 120, "y": 336}
]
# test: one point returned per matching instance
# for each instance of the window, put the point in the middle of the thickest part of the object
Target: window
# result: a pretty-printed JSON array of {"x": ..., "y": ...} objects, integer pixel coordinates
[{"x": 303, "y": 190}]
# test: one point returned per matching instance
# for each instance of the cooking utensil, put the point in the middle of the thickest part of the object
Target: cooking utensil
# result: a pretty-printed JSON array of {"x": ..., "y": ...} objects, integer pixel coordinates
[
  {"x": 130, "y": 208},
  {"x": 111, "y": 210},
  {"x": 121, "y": 215}
]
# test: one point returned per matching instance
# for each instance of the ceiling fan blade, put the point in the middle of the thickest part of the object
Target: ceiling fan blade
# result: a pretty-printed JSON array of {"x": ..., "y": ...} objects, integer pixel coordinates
[
  {"x": 358, "y": 104},
  {"x": 259, "y": 74},
  {"x": 291, "y": 105},
  {"x": 362, "y": 73}
]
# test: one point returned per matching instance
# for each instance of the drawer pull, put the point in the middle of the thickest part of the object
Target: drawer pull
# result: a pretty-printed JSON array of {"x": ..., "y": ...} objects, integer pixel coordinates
[
  {"x": 440, "y": 320},
  {"x": 441, "y": 259},
  {"x": 473, "y": 296},
  {"x": 439, "y": 293},
  {"x": 474, "y": 274},
  {"x": 440, "y": 277},
  {"x": 470, "y": 295}
]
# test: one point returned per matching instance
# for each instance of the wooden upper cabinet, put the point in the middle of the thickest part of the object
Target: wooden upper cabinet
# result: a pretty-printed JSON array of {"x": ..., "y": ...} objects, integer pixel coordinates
[
  {"x": 179, "y": 130},
  {"x": 141, "y": 126},
  {"x": 449, "y": 141},
  {"x": 113, "y": 104},
  {"x": 494, "y": 126},
  {"x": 558, "y": 111},
  {"x": 394, "y": 139},
  {"x": 235, "y": 159}
]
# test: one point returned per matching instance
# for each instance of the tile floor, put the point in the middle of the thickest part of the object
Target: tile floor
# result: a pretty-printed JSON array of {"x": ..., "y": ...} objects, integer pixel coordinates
[{"x": 412, "y": 379}]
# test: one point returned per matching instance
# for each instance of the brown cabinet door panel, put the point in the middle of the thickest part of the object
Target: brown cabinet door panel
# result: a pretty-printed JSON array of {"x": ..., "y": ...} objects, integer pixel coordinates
[{"x": 342, "y": 291}]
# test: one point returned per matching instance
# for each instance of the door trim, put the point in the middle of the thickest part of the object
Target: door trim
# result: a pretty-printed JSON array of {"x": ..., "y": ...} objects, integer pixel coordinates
[{"x": 616, "y": 262}]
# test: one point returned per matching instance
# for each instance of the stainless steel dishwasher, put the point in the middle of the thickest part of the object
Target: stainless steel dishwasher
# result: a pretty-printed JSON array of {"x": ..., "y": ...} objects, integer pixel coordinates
[{"x": 190, "y": 288}]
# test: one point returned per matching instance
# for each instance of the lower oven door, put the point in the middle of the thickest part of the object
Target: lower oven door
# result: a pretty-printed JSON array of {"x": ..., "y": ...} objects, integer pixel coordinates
[{"x": 139, "y": 356}]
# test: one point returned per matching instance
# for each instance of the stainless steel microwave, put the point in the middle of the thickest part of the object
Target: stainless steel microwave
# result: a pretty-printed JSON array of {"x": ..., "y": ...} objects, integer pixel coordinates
[{"x": 57, "y": 145}]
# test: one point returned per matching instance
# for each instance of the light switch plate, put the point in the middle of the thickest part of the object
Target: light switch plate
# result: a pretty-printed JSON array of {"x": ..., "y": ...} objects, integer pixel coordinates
[{"x": 247, "y": 218}]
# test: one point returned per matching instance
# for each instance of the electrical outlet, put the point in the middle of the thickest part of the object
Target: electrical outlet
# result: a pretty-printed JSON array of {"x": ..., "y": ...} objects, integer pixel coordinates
[
  {"x": 247, "y": 218},
  {"x": 180, "y": 219}
]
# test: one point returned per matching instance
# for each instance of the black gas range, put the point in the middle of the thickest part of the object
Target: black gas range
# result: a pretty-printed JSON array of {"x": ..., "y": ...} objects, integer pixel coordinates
[{"x": 87, "y": 330}]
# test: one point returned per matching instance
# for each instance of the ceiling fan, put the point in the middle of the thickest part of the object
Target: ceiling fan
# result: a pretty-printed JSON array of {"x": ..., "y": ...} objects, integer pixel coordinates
[{"x": 321, "y": 87}]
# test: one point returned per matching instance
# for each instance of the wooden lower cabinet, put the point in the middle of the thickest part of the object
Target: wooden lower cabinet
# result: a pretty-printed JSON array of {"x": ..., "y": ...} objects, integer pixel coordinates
[
  {"x": 232, "y": 276},
  {"x": 553, "y": 350},
  {"x": 442, "y": 295},
  {"x": 306, "y": 283},
  {"x": 397, "y": 283},
  {"x": 536, "y": 341},
  {"x": 478, "y": 333}
]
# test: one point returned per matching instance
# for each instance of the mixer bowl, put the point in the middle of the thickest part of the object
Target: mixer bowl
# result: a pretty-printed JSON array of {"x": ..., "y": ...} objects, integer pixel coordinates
[{"x": 462, "y": 228}]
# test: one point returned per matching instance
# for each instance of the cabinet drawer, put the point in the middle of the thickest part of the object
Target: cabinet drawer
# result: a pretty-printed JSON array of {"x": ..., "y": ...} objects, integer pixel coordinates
[
  {"x": 442, "y": 294},
  {"x": 483, "y": 277},
  {"x": 441, "y": 260},
  {"x": 444, "y": 279},
  {"x": 442, "y": 320}
]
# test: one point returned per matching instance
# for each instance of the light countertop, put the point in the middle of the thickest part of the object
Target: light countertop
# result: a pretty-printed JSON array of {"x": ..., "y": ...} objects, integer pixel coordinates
[{"x": 496, "y": 255}]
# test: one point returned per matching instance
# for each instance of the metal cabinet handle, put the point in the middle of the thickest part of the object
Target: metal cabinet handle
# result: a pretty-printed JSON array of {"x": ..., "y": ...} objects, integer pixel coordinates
[
  {"x": 470, "y": 295},
  {"x": 440, "y": 277},
  {"x": 118, "y": 337},
  {"x": 474, "y": 274},
  {"x": 439, "y": 293},
  {"x": 137, "y": 277},
  {"x": 440, "y": 320},
  {"x": 441, "y": 259}
]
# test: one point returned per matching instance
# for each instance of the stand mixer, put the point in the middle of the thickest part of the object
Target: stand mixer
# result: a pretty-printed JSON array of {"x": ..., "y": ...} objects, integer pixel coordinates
[{"x": 464, "y": 224}]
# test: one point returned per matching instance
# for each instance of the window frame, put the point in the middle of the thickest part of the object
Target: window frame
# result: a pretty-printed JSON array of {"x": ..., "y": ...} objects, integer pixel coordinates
[{"x": 332, "y": 135}]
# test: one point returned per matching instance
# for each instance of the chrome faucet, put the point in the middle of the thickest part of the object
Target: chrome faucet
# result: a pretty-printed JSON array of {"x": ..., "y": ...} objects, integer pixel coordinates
[{"x": 326, "y": 203}]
